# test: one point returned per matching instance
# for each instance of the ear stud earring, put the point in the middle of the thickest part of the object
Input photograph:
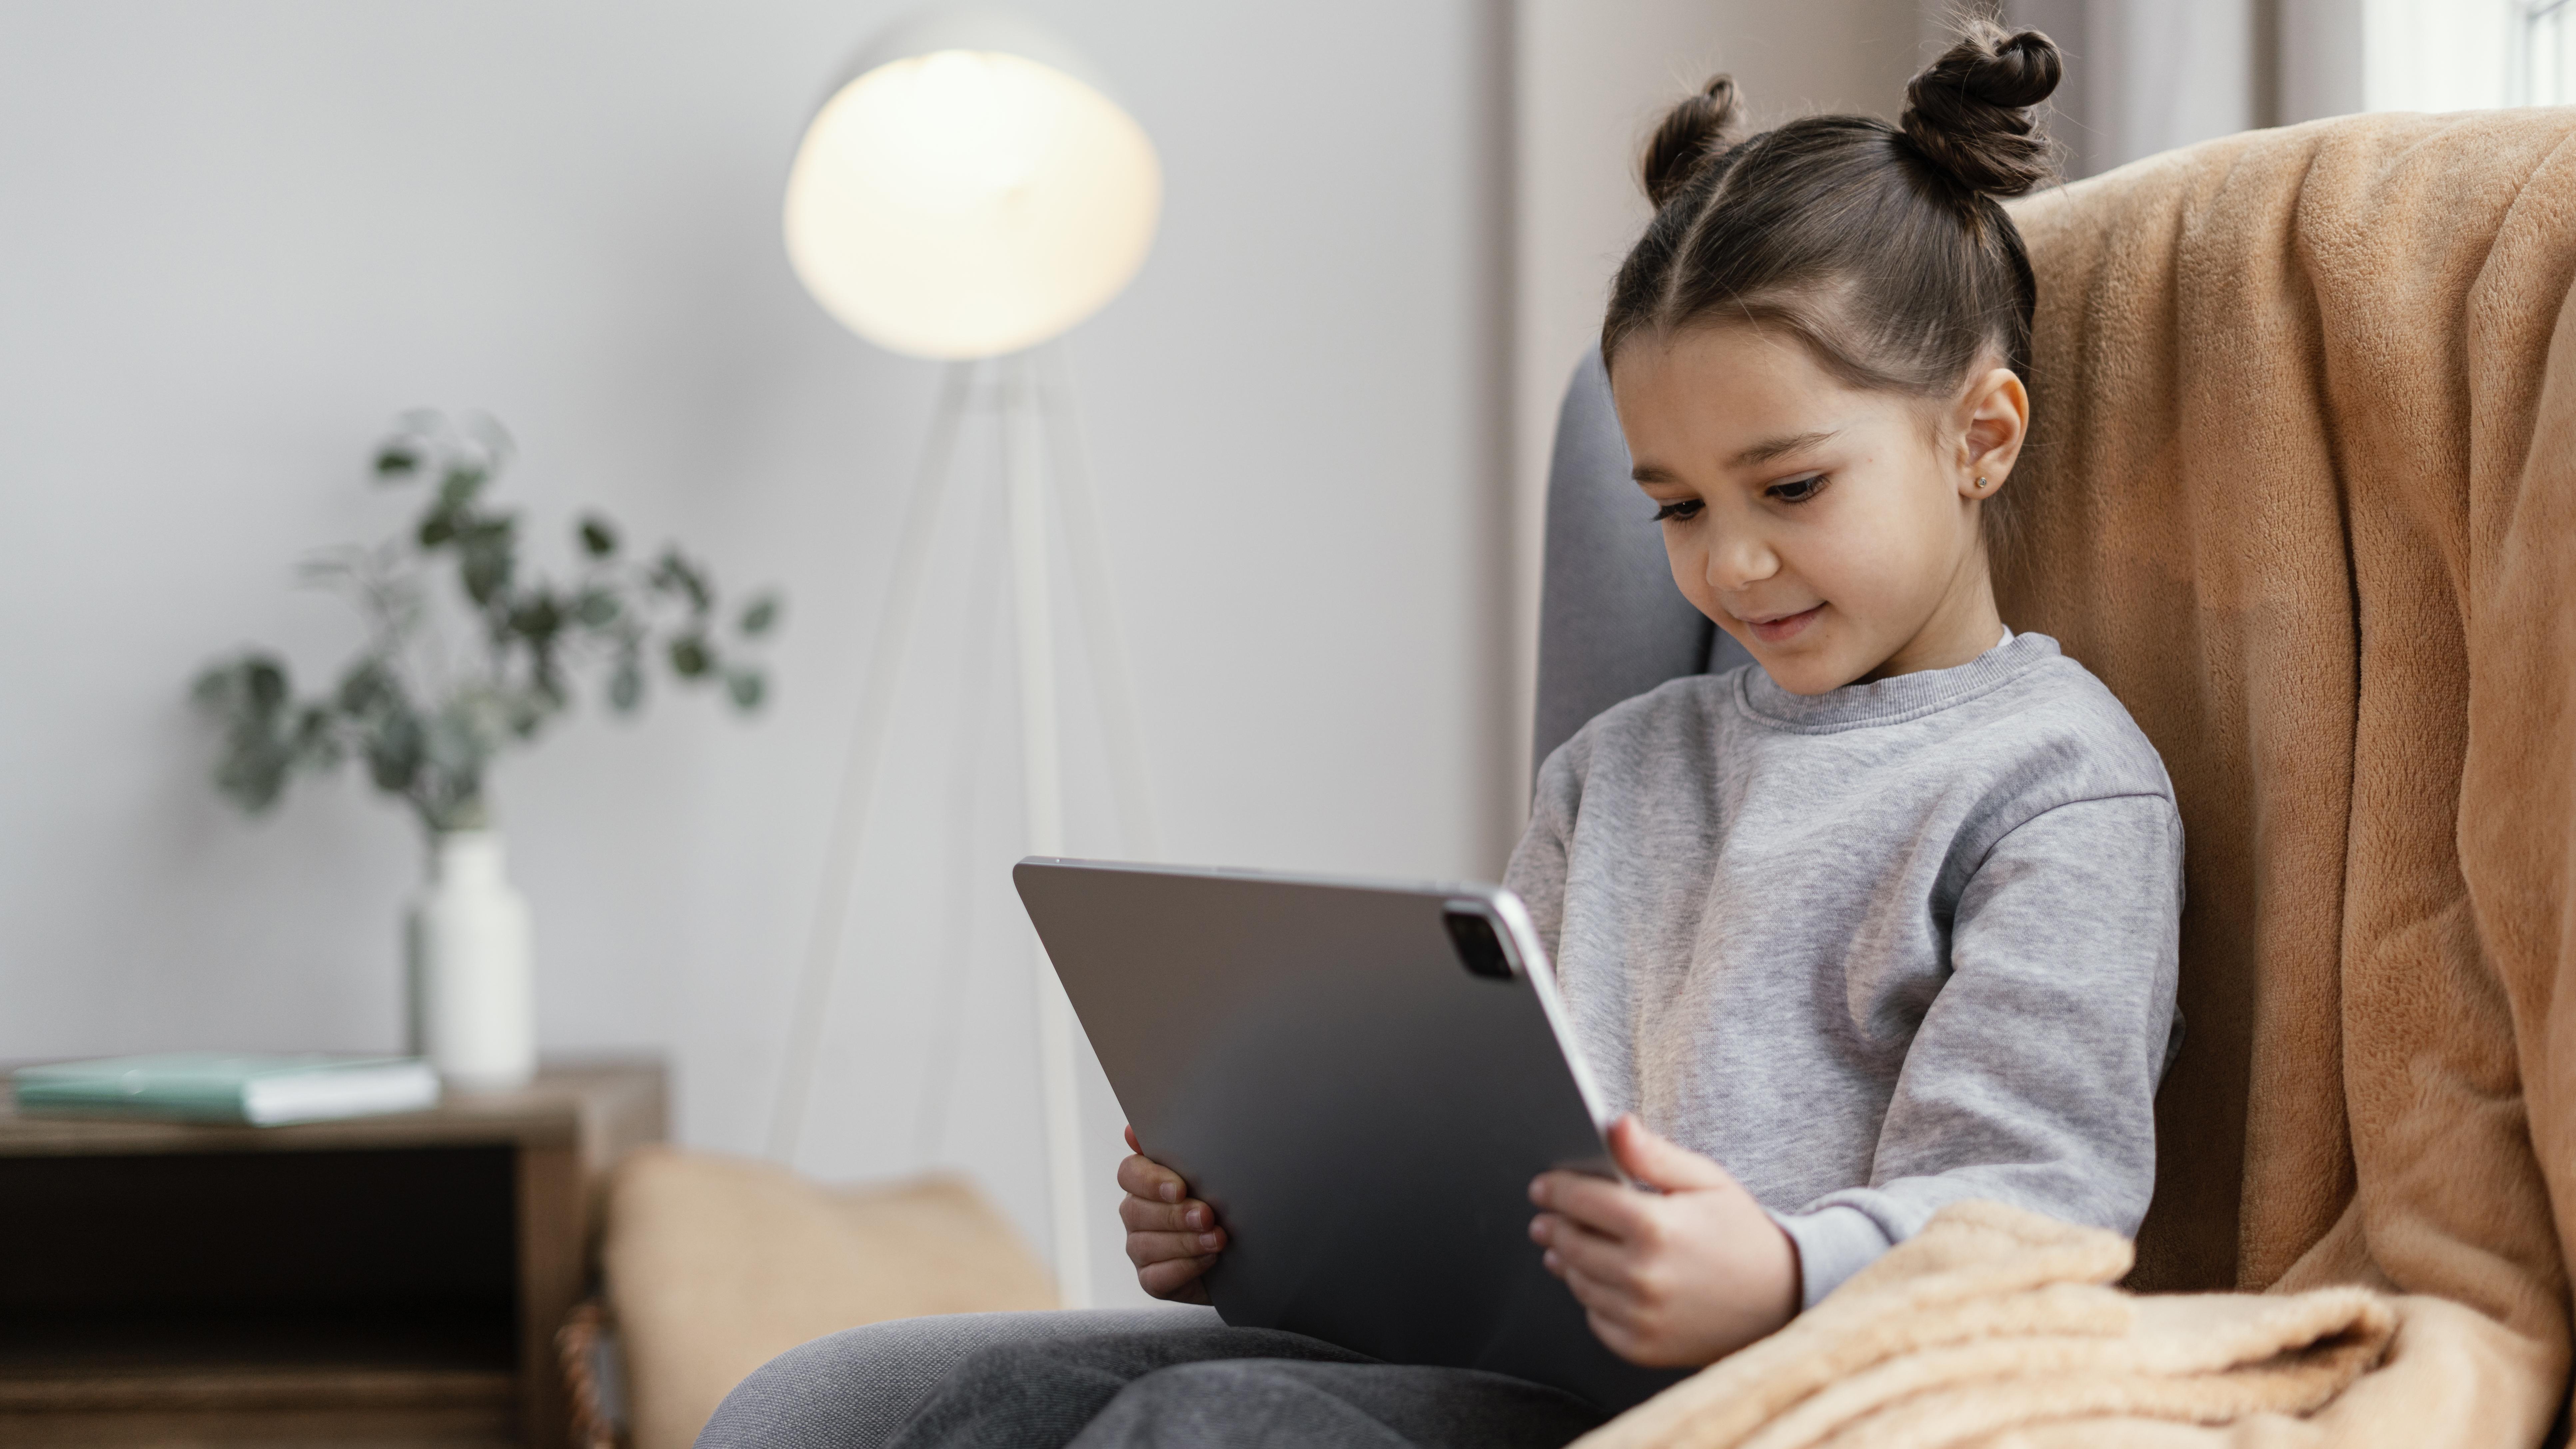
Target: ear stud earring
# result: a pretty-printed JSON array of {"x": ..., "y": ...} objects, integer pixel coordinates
[{"x": 1981, "y": 483}]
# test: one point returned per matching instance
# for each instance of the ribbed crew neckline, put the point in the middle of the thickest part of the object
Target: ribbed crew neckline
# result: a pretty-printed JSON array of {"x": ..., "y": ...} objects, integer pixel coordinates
[{"x": 1896, "y": 700}]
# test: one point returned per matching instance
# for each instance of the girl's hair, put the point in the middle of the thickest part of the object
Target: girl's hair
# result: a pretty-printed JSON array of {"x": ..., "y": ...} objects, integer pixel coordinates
[{"x": 1880, "y": 247}]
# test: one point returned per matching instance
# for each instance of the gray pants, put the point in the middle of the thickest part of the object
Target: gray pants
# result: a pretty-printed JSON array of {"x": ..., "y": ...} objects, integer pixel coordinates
[{"x": 1122, "y": 1379}]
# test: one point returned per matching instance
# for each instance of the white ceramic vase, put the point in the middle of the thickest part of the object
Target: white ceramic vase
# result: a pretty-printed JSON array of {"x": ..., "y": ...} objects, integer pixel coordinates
[{"x": 472, "y": 986}]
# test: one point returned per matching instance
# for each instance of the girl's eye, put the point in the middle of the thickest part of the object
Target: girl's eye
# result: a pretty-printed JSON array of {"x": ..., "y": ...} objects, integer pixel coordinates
[
  {"x": 1679, "y": 511},
  {"x": 1797, "y": 490}
]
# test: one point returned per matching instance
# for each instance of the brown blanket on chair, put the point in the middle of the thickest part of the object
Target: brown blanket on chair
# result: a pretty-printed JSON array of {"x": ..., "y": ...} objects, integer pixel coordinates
[{"x": 2302, "y": 491}]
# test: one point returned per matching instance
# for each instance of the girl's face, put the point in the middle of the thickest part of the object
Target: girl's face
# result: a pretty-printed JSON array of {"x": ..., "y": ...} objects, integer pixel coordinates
[{"x": 1831, "y": 530}]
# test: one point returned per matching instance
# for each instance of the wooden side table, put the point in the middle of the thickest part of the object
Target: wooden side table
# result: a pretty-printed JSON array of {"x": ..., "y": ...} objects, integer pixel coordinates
[{"x": 391, "y": 1280}]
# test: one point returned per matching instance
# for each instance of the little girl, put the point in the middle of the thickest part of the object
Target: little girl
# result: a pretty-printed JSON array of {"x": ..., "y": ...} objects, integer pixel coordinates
[{"x": 1885, "y": 921}]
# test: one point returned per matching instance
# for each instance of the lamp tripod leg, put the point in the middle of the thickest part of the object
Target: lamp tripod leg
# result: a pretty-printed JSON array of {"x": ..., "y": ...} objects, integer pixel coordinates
[
  {"x": 859, "y": 773},
  {"x": 1112, "y": 682},
  {"x": 1041, "y": 744},
  {"x": 942, "y": 1057}
]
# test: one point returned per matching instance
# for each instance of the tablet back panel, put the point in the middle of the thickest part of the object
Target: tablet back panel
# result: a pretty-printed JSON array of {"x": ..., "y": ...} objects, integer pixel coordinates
[{"x": 1363, "y": 1112}]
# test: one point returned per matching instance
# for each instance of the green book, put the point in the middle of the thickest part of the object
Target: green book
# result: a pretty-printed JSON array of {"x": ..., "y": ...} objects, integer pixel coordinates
[{"x": 263, "y": 1091}]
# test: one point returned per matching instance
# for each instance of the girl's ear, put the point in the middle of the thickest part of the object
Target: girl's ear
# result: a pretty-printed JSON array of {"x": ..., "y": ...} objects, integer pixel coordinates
[{"x": 1992, "y": 421}]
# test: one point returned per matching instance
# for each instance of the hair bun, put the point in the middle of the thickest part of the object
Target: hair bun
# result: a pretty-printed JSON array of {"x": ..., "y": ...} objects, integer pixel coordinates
[
  {"x": 1692, "y": 134},
  {"x": 1969, "y": 112}
]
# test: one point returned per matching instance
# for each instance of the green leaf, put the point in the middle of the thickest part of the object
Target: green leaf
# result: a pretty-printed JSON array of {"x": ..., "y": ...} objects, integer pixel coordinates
[
  {"x": 463, "y": 735},
  {"x": 313, "y": 735},
  {"x": 486, "y": 575},
  {"x": 462, "y": 482},
  {"x": 264, "y": 681},
  {"x": 394, "y": 749},
  {"x": 253, "y": 775},
  {"x": 690, "y": 657},
  {"x": 490, "y": 559},
  {"x": 760, "y": 615},
  {"x": 528, "y": 712},
  {"x": 538, "y": 619},
  {"x": 437, "y": 528},
  {"x": 673, "y": 574},
  {"x": 747, "y": 688},
  {"x": 396, "y": 461},
  {"x": 595, "y": 608},
  {"x": 598, "y": 537},
  {"x": 546, "y": 682},
  {"x": 369, "y": 687}
]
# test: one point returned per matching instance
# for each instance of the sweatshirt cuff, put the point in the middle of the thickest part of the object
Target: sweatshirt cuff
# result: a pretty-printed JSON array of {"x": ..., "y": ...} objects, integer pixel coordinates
[{"x": 1833, "y": 1244}]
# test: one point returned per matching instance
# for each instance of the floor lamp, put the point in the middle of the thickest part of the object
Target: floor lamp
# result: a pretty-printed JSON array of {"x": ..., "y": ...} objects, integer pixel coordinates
[{"x": 967, "y": 193}]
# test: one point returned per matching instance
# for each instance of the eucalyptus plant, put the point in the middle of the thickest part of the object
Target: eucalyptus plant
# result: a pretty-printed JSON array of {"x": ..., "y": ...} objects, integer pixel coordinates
[{"x": 427, "y": 721}]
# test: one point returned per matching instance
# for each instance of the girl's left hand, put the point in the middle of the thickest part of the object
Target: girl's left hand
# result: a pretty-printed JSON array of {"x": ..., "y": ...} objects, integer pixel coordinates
[{"x": 1679, "y": 1279}]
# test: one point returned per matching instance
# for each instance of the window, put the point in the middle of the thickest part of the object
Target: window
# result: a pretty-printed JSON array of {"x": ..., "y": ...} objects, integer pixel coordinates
[
  {"x": 2462, "y": 55},
  {"x": 2546, "y": 67}
]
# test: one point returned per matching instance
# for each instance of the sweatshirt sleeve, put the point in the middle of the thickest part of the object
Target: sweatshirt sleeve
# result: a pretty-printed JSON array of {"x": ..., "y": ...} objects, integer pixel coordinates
[
  {"x": 1537, "y": 870},
  {"x": 2032, "y": 1078}
]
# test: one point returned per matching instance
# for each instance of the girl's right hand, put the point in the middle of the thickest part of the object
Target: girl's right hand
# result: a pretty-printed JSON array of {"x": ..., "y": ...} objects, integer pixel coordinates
[{"x": 1172, "y": 1238}]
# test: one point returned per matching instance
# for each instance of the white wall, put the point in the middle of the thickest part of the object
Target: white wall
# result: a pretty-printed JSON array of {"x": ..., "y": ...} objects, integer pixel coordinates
[{"x": 235, "y": 239}]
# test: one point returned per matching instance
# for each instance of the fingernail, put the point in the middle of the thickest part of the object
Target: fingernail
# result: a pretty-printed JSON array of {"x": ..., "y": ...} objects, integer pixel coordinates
[
  {"x": 1171, "y": 1192},
  {"x": 1538, "y": 1191},
  {"x": 1195, "y": 1217},
  {"x": 1207, "y": 1240}
]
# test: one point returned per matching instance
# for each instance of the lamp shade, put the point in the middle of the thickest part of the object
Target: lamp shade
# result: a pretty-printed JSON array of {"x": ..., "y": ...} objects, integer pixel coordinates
[{"x": 970, "y": 190}]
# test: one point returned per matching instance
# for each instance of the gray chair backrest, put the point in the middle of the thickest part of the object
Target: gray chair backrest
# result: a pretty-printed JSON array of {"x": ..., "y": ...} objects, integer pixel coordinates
[{"x": 1611, "y": 624}]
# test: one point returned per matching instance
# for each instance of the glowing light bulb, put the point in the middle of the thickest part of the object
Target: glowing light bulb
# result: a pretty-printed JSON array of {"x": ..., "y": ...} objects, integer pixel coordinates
[
  {"x": 968, "y": 203},
  {"x": 952, "y": 133}
]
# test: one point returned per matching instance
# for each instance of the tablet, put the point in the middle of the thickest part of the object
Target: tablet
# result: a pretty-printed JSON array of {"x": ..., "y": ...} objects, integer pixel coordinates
[{"x": 1361, "y": 1078}]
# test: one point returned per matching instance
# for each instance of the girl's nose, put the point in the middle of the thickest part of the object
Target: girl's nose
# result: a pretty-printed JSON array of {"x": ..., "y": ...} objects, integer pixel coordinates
[{"x": 1738, "y": 560}]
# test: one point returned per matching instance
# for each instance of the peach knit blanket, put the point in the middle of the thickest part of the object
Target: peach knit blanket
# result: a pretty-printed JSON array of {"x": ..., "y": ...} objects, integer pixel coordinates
[
  {"x": 2302, "y": 492},
  {"x": 1992, "y": 1319}
]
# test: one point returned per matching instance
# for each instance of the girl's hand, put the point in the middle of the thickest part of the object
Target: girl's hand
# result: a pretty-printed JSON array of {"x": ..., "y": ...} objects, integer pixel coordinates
[
  {"x": 1676, "y": 1280},
  {"x": 1172, "y": 1238}
]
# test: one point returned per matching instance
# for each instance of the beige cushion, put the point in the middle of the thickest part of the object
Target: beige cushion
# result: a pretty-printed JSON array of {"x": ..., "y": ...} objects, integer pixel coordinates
[{"x": 716, "y": 1265}]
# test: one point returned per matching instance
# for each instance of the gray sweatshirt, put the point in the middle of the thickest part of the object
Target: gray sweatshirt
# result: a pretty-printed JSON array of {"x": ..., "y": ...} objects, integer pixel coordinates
[{"x": 1875, "y": 950}]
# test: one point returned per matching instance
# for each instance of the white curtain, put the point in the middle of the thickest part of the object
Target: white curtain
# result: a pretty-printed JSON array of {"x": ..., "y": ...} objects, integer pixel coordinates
[{"x": 2148, "y": 75}]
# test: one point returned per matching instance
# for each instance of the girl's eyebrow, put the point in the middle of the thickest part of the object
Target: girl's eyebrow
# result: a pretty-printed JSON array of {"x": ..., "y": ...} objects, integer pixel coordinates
[{"x": 1764, "y": 452}]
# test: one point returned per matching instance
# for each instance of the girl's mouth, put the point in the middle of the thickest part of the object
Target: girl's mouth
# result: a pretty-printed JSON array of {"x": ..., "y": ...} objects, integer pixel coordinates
[{"x": 1785, "y": 628}]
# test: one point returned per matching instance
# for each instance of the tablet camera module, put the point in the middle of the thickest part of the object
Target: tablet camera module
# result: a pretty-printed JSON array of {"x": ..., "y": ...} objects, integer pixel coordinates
[{"x": 1480, "y": 949}]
